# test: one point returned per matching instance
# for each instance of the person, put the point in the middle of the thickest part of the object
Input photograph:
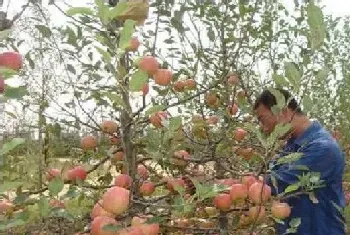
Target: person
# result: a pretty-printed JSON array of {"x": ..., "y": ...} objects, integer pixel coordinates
[{"x": 320, "y": 153}]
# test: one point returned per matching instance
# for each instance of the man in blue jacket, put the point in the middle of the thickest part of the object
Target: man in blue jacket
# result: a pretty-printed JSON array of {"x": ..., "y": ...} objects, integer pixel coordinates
[{"x": 320, "y": 153}]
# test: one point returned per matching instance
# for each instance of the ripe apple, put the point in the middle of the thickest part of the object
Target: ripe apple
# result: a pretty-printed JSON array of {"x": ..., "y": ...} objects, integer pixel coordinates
[
  {"x": 280, "y": 210},
  {"x": 149, "y": 64},
  {"x": 123, "y": 180},
  {"x": 88, "y": 143},
  {"x": 212, "y": 100},
  {"x": 227, "y": 182},
  {"x": 2, "y": 85},
  {"x": 150, "y": 229},
  {"x": 157, "y": 118},
  {"x": 259, "y": 192},
  {"x": 52, "y": 173},
  {"x": 256, "y": 213},
  {"x": 98, "y": 210},
  {"x": 119, "y": 156},
  {"x": 114, "y": 140},
  {"x": 238, "y": 191},
  {"x": 213, "y": 120},
  {"x": 179, "y": 86},
  {"x": 239, "y": 134},
  {"x": 142, "y": 171},
  {"x": 163, "y": 77},
  {"x": 222, "y": 201},
  {"x": 134, "y": 44},
  {"x": 248, "y": 180},
  {"x": 116, "y": 200},
  {"x": 145, "y": 89},
  {"x": 233, "y": 79},
  {"x": 190, "y": 84},
  {"x": 246, "y": 153},
  {"x": 109, "y": 127},
  {"x": 181, "y": 158},
  {"x": 76, "y": 173},
  {"x": 147, "y": 188},
  {"x": 233, "y": 109},
  {"x": 131, "y": 231},
  {"x": 99, "y": 222},
  {"x": 6, "y": 206},
  {"x": 11, "y": 60},
  {"x": 172, "y": 183}
]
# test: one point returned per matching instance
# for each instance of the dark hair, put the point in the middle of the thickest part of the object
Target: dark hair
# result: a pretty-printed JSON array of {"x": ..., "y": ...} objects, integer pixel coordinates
[{"x": 269, "y": 100}]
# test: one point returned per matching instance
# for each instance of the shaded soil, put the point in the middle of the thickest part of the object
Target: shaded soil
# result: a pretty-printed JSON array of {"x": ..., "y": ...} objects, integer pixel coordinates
[{"x": 51, "y": 226}]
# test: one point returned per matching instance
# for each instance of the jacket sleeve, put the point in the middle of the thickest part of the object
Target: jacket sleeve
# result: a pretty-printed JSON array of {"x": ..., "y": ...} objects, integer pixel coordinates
[{"x": 317, "y": 157}]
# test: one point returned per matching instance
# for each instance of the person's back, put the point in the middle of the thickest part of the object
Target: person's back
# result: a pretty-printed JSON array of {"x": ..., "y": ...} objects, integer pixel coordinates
[{"x": 322, "y": 154}]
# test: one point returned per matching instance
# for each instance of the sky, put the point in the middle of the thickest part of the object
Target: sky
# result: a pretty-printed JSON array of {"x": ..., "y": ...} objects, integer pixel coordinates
[{"x": 333, "y": 7}]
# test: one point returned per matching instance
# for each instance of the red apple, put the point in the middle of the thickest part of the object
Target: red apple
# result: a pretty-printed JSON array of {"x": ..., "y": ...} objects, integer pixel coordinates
[
  {"x": 238, "y": 191},
  {"x": 239, "y": 134},
  {"x": 11, "y": 60},
  {"x": 97, "y": 225},
  {"x": 147, "y": 188},
  {"x": 76, "y": 173},
  {"x": 123, "y": 180},
  {"x": 116, "y": 200},
  {"x": 149, "y": 64},
  {"x": 88, "y": 143},
  {"x": 142, "y": 171},
  {"x": 171, "y": 183},
  {"x": 280, "y": 210},
  {"x": 134, "y": 44},
  {"x": 222, "y": 201},
  {"x": 52, "y": 173},
  {"x": 109, "y": 127},
  {"x": 98, "y": 210},
  {"x": 259, "y": 192},
  {"x": 6, "y": 206}
]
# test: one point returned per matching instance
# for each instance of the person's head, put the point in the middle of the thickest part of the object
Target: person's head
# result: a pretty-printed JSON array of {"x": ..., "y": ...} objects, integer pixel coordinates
[{"x": 263, "y": 110}]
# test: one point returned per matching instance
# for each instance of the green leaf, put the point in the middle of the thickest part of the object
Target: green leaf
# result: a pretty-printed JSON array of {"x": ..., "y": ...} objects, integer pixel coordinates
[
  {"x": 292, "y": 188},
  {"x": 55, "y": 186},
  {"x": 8, "y": 146},
  {"x": 7, "y": 73},
  {"x": 117, "y": 99},
  {"x": 7, "y": 186},
  {"x": 322, "y": 74},
  {"x": 15, "y": 92},
  {"x": 44, "y": 30},
  {"x": 290, "y": 158},
  {"x": 281, "y": 101},
  {"x": 175, "y": 123},
  {"x": 279, "y": 80},
  {"x": 5, "y": 33},
  {"x": 44, "y": 207},
  {"x": 71, "y": 69},
  {"x": 155, "y": 219},
  {"x": 126, "y": 34},
  {"x": 307, "y": 103},
  {"x": 111, "y": 227},
  {"x": 295, "y": 222},
  {"x": 79, "y": 10},
  {"x": 103, "y": 11},
  {"x": 138, "y": 80},
  {"x": 315, "y": 20},
  {"x": 106, "y": 56},
  {"x": 154, "y": 109},
  {"x": 118, "y": 10},
  {"x": 293, "y": 74}
]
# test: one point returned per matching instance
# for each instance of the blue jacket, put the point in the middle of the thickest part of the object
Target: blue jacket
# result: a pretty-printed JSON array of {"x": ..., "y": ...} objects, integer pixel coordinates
[{"x": 321, "y": 153}]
